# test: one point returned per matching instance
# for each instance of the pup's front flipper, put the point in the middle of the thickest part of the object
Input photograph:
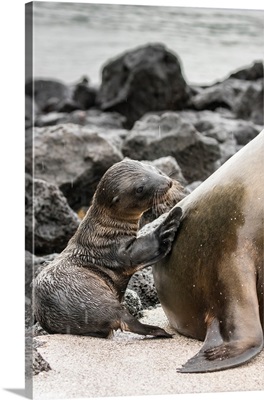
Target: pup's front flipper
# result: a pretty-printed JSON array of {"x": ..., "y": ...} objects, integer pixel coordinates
[{"x": 148, "y": 249}]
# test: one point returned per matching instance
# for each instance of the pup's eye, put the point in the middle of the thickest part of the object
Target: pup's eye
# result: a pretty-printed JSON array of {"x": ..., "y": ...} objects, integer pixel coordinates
[{"x": 139, "y": 189}]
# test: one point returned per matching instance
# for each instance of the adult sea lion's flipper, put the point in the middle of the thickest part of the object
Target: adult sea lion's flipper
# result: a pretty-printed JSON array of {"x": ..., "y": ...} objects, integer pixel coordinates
[{"x": 217, "y": 354}]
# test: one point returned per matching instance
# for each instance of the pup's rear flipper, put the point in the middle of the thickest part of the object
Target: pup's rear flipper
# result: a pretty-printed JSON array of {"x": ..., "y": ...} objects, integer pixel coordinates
[{"x": 131, "y": 324}]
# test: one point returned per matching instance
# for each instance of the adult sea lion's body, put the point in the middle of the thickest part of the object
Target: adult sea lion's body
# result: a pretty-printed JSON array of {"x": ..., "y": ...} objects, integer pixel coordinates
[
  {"x": 211, "y": 283},
  {"x": 81, "y": 291}
]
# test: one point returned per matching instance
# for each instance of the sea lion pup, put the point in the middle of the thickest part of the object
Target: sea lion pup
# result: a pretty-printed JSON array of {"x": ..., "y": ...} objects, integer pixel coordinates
[
  {"x": 80, "y": 292},
  {"x": 211, "y": 284}
]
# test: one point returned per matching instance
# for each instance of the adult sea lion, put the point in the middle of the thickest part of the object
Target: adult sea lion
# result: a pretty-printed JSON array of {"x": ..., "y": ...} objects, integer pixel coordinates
[
  {"x": 80, "y": 292},
  {"x": 211, "y": 283}
]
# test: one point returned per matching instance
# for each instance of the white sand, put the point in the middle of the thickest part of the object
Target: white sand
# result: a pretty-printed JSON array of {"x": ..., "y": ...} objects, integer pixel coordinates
[{"x": 131, "y": 365}]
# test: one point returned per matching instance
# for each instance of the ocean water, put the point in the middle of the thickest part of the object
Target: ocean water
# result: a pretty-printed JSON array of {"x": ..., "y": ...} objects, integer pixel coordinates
[{"x": 72, "y": 40}]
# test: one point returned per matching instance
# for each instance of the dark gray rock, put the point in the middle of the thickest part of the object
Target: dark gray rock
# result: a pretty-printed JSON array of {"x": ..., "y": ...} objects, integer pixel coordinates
[
  {"x": 29, "y": 318},
  {"x": 229, "y": 131},
  {"x": 29, "y": 260},
  {"x": 34, "y": 362},
  {"x": 245, "y": 132},
  {"x": 66, "y": 105},
  {"x": 155, "y": 136},
  {"x": 133, "y": 303},
  {"x": 91, "y": 118},
  {"x": 114, "y": 136},
  {"x": 54, "y": 96},
  {"x": 250, "y": 104},
  {"x": 29, "y": 240},
  {"x": 97, "y": 118},
  {"x": 39, "y": 364},
  {"x": 108, "y": 125},
  {"x": 142, "y": 283},
  {"x": 54, "y": 222},
  {"x": 28, "y": 355},
  {"x": 170, "y": 167},
  {"x": 251, "y": 73},
  {"x": 84, "y": 95},
  {"x": 47, "y": 92},
  {"x": 50, "y": 119},
  {"x": 212, "y": 124},
  {"x": 223, "y": 94},
  {"x": 29, "y": 151},
  {"x": 37, "y": 330},
  {"x": 74, "y": 158},
  {"x": 31, "y": 110},
  {"x": 228, "y": 149},
  {"x": 145, "y": 79},
  {"x": 243, "y": 97}
]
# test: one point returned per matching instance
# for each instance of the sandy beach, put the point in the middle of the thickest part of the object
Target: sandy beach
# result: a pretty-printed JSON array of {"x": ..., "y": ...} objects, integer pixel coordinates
[{"x": 131, "y": 365}]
